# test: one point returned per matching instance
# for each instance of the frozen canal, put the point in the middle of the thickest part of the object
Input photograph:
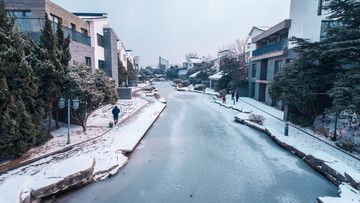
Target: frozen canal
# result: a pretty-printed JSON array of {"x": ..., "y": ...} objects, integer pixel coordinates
[{"x": 196, "y": 152}]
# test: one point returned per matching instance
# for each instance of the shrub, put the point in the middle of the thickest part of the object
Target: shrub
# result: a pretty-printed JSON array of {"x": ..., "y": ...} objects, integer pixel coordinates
[
  {"x": 347, "y": 143},
  {"x": 256, "y": 118},
  {"x": 177, "y": 81},
  {"x": 199, "y": 87},
  {"x": 300, "y": 119},
  {"x": 185, "y": 83}
]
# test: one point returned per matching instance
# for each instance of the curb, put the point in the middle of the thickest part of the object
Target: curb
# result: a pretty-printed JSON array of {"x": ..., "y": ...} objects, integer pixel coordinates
[
  {"x": 61, "y": 150},
  {"x": 331, "y": 174},
  {"x": 127, "y": 151}
]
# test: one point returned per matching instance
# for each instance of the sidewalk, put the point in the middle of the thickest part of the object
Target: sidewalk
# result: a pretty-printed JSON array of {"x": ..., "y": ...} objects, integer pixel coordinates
[
  {"x": 339, "y": 166},
  {"x": 92, "y": 156}
]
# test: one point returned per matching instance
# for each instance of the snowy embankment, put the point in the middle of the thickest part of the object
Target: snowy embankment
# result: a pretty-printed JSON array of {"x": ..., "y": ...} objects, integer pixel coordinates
[
  {"x": 340, "y": 168},
  {"x": 94, "y": 155}
]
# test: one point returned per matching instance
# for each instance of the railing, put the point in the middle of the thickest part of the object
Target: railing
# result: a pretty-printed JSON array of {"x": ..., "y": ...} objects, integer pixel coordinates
[
  {"x": 36, "y": 24},
  {"x": 278, "y": 46}
]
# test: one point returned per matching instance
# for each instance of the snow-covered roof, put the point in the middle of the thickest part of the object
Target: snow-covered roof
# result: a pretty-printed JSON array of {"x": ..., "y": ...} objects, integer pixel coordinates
[
  {"x": 216, "y": 76},
  {"x": 196, "y": 60},
  {"x": 194, "y": 75}
]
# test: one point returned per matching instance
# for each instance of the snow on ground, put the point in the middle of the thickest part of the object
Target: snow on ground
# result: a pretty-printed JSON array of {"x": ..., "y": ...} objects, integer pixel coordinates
[
  {"x": 105, "y": 151},
  {"x": 98, "y": 124}
]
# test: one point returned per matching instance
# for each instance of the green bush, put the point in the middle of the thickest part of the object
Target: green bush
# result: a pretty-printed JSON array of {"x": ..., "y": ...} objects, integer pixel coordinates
[
  {"x": 185, "y": 83},
  {"x": 300, "y": 119}
]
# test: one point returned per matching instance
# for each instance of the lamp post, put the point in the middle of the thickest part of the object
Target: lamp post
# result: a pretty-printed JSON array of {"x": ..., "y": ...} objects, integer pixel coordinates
[{"x": 75, "y": 106}]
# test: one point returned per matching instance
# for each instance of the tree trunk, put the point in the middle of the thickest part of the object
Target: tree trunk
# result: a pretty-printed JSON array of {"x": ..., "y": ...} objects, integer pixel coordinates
[
  {"x": 50, "y": 118},
  {"x": 57, "y": 117}
]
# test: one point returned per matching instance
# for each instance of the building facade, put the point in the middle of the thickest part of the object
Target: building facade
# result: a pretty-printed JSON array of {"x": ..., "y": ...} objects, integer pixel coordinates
[
  {"x": 271, "y": 47},
  {"x": 104, "y": 40},
  {"x": 31, "y": 19}
]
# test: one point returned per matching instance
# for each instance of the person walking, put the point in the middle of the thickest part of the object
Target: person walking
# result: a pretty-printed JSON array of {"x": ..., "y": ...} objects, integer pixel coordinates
[
  {"x": 224, "y": 98},
  {"x": 116, "y": 112},
  {"x": 237, "y": 96}
]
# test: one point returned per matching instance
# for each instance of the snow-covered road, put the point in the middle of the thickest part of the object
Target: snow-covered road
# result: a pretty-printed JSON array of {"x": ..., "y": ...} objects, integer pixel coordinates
[{"x": 196, "y": 148}]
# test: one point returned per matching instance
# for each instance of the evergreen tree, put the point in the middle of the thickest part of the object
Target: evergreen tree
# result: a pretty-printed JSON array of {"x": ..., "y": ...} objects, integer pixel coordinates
[
  {"x": 50, "y": 70},
  {"x": 122, "y": 73},
  {"x": 18, "y": 126},
  {"x": 64, "y": 57}
]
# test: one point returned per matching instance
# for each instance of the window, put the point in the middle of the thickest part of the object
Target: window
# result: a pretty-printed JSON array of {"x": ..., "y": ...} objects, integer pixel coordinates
[
  {"x": 83, "y": 31},
  {"x": 100, "y": 40},
  {"x": 20, "y": 14},
  {"x": 124, "y": 57},
  {"x": 284, "y": 36},
  {"x": 325, "y": 25},
  {"x": 278, "y": 65},
  {"x": 101, "y": 64},
  {"x": 54, "y": 20},
  {"x": 320, "y": 5},
  {"x": 288, "y": 61},
  {"x": 253, "y": 72},
  {"x": 73, "y": 27},
  {"x": 273, "y": 40},
  {"x": 88, "y": 61}
]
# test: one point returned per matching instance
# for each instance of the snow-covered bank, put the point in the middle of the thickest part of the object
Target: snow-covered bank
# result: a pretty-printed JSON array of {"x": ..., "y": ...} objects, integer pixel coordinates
[
  {"x": 336, "y": 165},
  {"x": 101, "y": 157}
]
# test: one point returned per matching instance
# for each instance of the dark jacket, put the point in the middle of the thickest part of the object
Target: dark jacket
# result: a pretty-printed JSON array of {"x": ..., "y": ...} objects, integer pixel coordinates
[{"x": 116, "y": 112}]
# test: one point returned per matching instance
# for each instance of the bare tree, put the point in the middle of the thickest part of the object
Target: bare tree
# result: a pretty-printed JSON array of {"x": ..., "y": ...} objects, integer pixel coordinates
[{"x": 190, "y": 55}]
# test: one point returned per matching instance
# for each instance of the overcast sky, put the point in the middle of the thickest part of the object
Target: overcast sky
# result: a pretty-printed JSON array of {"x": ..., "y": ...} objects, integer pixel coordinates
[{"x": 173, "y": 28}]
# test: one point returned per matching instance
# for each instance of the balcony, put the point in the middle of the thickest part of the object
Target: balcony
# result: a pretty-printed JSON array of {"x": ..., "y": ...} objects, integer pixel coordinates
[
  {"x": 278, "y": 46},
  {"x": 34, "y": 25}
]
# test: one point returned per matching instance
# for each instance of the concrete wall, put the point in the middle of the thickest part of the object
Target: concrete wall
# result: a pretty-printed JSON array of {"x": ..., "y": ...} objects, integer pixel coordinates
[
  {"x": 67, "y": 17},
  {"x": 37, "y": 7},
  {"x": 97, "y": 27},
  {"x": 124, "y": 93},
  {"x": 79, "y": 51},
  {"x": 305, "y": 21},
  {"x": 110, "y": 48}
]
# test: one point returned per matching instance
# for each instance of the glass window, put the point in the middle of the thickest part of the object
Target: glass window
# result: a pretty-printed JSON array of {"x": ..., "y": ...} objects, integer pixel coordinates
[
  {"x": 253, "y": 72},
  {"x": 73, "y": 27},
  {"x": 100, "y": 40},
  {"x": 273, "y": 40},
  {"x": 83, "y": 31},
  {"x": 20, "y": 14},
  {"x": 325, "y": 25},
  {"x": 101, "y": 64},
  {"x": 278, "y": 65},
  {"x": 88, "y": 61},
  {"x": 320, "y": 7}
]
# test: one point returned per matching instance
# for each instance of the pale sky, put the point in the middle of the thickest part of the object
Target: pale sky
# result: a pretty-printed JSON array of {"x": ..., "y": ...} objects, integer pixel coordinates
[{"x": 173, "y": 28}]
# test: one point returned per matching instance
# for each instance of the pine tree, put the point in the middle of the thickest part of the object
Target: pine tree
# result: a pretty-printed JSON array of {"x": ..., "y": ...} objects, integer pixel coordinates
[
  {"x": 64, "y": 57},
  {"x": 19, "y": 127},
  {"x": 50, "y": 70},
  {"x": 122, "y": 74}
]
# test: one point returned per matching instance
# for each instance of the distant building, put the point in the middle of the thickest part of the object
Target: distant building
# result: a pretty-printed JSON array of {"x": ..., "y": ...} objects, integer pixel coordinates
[
  {"x": 122, "y": 55},
  {"x": 271, "y": 48},
  {"x": 163, "y": 64},
  {"x": 31, "y": 19}
]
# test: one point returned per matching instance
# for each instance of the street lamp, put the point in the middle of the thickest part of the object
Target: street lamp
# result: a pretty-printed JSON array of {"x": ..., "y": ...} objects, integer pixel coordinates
[{"x": 75, "y": 106}]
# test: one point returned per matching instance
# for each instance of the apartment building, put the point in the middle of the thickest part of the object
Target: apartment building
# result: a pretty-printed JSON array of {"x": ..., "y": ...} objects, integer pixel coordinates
[
  {"x": 104, "y": 40},
  {"x": 31, "y": 19},
  {"x": 271, "y": 48}
]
